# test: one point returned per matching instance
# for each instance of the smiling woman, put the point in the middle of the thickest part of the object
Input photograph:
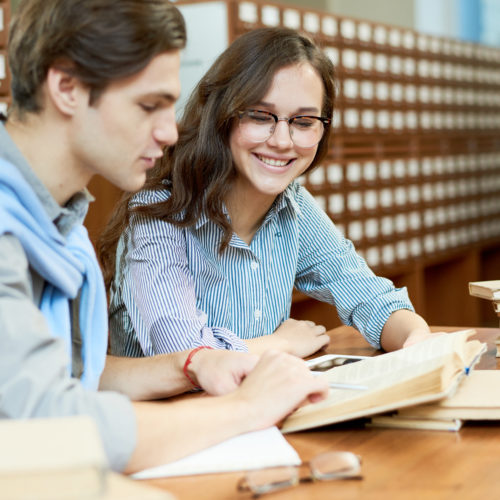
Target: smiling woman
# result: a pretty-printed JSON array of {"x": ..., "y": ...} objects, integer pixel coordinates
[
  {"x": 210, "y": 251},
  {"x": 269, "y": 153}
]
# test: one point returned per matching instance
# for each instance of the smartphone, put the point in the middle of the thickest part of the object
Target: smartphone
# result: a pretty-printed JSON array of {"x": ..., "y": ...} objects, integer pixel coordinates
[{"x": 323, "y": 363}]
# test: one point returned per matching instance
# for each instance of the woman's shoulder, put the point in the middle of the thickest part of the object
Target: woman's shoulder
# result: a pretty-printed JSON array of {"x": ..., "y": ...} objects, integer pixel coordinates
[
  {"x": 299, "y": 194},
  {"x": 149, "y": 197}
]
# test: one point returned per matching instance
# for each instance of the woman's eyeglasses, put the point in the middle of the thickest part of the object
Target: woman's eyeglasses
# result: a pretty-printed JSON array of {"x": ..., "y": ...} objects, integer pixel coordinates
[
  {"x": 305, "y": 131},
  {"x": 324, "y": 467}
]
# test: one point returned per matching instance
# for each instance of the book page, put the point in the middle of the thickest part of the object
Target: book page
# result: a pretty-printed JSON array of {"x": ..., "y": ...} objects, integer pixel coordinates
[
  {"x": 384, "y": 370},
  {"x": 267, "y": 448}
]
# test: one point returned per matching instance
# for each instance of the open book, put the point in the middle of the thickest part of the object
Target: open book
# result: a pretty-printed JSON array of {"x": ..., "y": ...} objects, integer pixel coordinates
[{"x": 426, "y": 371}]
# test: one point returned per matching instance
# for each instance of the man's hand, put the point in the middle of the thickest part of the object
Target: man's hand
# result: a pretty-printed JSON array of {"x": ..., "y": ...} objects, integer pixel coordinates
[
  {"x": 219, "y": 371},
  {"x": 278, "y": 385}
]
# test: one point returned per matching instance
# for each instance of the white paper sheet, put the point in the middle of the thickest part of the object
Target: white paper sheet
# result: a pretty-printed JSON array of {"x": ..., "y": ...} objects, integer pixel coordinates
[{"x": 267, "y": 448}]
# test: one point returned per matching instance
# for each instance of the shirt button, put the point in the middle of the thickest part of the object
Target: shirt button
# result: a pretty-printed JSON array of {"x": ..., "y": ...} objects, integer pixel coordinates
[
  {"x": 254, "y": 265},
  {"x": 257, "y": 314}
]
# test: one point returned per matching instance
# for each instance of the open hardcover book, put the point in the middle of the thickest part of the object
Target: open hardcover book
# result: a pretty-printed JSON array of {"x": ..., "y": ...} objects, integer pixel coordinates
[{"x": 424, "y": 372}]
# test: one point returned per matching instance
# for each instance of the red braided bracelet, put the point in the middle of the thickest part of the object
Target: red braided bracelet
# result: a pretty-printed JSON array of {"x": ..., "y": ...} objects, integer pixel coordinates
[{"x": 188, "y": 362}]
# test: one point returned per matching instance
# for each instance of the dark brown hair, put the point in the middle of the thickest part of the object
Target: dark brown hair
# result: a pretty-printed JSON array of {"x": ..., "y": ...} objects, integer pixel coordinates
[
  {"x": 198, "y": 170},
  {"x": 97, "y": 41}
]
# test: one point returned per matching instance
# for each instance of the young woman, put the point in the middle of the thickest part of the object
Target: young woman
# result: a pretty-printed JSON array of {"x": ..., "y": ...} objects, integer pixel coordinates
[{"x": 209, "y": 252}]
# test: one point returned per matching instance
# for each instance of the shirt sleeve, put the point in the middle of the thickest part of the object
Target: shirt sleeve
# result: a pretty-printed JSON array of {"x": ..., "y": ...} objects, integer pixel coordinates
[
  {"x": 34, "y": 381},
  {"x": 159, "y": 292},
  {"x": 330, "y": 270}
]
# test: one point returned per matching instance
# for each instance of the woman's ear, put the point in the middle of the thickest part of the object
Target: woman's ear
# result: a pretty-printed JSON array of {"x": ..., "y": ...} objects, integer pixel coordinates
[{"x": 64, "y": 90}]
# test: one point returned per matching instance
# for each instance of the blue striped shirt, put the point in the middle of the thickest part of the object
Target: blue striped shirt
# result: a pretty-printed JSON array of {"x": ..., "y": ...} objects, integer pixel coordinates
[{"x": 173, "y": 290}]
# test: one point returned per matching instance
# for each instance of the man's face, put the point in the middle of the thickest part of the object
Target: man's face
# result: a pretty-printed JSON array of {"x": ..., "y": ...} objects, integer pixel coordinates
[{"x": 122, "y": 134}]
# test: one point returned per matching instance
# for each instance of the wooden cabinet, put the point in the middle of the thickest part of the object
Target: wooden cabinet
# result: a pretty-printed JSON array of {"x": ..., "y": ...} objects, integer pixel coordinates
[{"x": 413, "y": 172}]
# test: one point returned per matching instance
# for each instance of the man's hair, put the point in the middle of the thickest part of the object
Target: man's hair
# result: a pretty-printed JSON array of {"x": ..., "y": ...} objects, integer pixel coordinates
[{"x": 97, "y": 41}]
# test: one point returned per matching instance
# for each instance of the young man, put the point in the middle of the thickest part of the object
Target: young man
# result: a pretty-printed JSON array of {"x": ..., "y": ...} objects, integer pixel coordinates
[{"x": 94, "y": 84}]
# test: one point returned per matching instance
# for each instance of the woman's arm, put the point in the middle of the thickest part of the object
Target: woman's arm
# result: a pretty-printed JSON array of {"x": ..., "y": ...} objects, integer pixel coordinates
[
  {"x": 402, "y": 329},
  {"x": 330, "y": 270},
  {"x": 157, "y": 290}
]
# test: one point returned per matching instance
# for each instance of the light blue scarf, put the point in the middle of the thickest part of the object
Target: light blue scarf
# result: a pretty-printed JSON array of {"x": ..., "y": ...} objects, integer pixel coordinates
[{"x": 68, "y": 265}]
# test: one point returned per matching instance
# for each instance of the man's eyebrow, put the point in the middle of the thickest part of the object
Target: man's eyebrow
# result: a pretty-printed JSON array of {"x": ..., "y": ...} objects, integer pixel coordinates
[{"x": 164, "y": 96}]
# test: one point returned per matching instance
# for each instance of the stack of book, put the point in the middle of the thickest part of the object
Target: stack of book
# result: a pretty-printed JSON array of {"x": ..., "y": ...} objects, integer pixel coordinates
[
  {"x": 476, "y": 398},
  {"x": 61, "y": 459},
  {"x": 489, "y": 290}
]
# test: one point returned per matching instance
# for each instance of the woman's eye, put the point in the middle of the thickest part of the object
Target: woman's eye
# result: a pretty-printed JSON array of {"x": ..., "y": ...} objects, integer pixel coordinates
[
  {"x": 303, "y": 123},
  {"x": 261, "y": 118}
]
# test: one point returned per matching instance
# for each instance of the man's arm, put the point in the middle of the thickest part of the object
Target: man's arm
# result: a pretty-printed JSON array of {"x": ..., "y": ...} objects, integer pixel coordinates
[
  {"x": 216, "y": 371},
  {"x": 169, "y": 431},
  {"x": 34, "y": 382},
  {"x": 34, "y": 377}
]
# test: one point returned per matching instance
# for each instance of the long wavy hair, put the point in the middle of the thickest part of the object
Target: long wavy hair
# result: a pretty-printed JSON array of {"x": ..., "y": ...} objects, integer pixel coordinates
[{"x": 199, "y": 169}]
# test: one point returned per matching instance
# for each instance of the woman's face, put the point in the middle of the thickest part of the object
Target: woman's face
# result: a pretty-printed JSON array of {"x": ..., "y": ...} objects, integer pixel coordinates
[{"x": 265, "y": 169}]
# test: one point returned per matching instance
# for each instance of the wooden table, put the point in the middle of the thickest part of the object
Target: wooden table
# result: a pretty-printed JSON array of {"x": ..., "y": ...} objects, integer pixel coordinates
[{"x": 397, "y": 464}]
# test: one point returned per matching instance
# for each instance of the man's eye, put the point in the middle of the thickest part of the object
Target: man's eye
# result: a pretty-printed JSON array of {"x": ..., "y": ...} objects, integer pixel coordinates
[{"x": 149, "y": 107}]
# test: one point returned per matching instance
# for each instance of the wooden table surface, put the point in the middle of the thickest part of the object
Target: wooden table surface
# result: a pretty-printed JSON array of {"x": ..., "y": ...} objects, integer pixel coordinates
[{"x": 397, "y": 464}]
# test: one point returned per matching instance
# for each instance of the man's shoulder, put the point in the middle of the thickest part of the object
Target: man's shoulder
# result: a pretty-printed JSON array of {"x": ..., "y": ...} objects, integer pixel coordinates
[
  {"x": 11, "y": 250},
  {"x": 15, "y": 268}
]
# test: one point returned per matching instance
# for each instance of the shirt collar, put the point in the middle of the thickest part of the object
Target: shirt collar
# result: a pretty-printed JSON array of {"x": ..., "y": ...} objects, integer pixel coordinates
[
  {"x": 288, "y": 199},
  {"x": 283, "y": 200},
  {"x": 65, "y": 218}
]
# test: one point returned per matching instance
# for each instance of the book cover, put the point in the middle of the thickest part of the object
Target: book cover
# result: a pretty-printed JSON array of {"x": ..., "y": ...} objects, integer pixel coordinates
[
  {"x": 485, "y": 289},
  {"x": 477, "y": 398},
  {"x": 401, "y": 422},
  {"x": 53, "y": 458}
]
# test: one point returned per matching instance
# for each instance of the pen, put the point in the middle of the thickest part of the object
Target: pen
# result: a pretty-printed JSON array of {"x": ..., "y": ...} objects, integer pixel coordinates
[{"x": 354, "y": 387}]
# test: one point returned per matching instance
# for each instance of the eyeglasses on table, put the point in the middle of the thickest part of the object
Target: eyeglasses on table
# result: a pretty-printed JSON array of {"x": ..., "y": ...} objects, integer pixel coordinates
[{"x": 324, "y": 467}]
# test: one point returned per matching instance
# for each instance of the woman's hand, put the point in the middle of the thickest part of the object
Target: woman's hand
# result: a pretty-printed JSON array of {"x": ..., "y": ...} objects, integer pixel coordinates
[
  {"x": 300, "y": 338},
  {"x": 419, "y": 335}
]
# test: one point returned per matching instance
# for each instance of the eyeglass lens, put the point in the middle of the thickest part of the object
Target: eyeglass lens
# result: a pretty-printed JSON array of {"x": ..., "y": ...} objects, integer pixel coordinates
[
  {"x": 331, "y": 465},
  {"x": 267, "y": 480},
  {"x": 335, "y": 464},
  {"x": 259, "y": 126}
]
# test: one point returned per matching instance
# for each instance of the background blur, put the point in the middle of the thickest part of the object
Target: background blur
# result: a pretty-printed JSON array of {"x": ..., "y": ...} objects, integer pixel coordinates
[{"x": 473, "y": 20}]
